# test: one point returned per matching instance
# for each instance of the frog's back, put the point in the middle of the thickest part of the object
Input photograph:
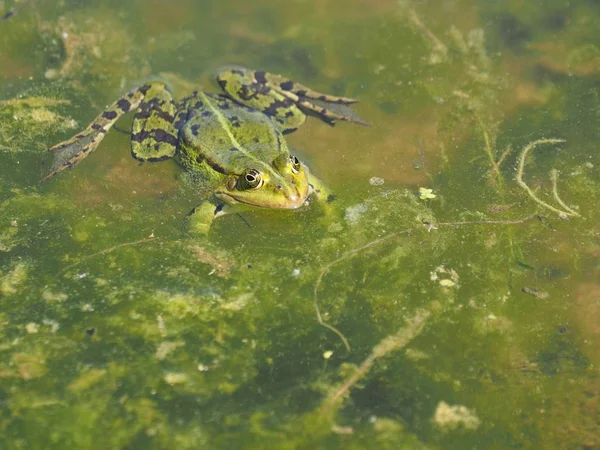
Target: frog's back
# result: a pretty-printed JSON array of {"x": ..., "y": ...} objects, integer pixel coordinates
[{"x": 229, "y": 136}]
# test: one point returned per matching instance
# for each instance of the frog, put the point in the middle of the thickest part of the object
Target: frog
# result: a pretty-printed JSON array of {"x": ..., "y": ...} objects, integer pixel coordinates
[{"x": 232, "y": 143}]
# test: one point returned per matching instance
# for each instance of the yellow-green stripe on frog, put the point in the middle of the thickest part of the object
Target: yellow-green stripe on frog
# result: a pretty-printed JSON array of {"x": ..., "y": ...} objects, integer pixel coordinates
[{"x": 232, "y": 142}]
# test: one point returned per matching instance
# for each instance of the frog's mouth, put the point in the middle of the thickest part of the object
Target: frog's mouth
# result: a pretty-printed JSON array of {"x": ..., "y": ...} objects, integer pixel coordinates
[{"x": 293, "y": 199}]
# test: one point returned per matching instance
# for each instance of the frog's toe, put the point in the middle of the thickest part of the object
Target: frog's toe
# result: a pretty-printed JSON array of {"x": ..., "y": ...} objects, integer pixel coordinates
[{"x": 70, "y": 152}]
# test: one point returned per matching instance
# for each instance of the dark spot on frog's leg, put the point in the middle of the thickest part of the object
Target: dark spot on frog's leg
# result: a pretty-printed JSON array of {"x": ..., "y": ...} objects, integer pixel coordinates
[
  {"x": 139, "y": 137},
  {"x": 145, "y": 88},
  {"x": 195, "y": 129},
  {"x": 156, "y": 135},
  {"x": 276, "y": 105},
  {"x": 206, "y": 113},
  {"x": 109, "y": 115},
  {"x": 225, "y": 105},
  {"x": 301, "y": 93},
  {"x": 246, "y": 93},
  {"x": 199, "y": 158},
  {"x": 180, "y": 120},
  {"x": 199, "y": 105},
  {"x": 156, "y": 159},
  {"x": 163, "y": 136},
  {"x": 287, "y": 85},
  {"x": 234, "y": 149},
  {"x": 163, "y": 114},
  {"x": 124, "y": 104},
  {"x": 99, "y": 128},
  {"x": 260, "y": 77},
  {"x": 255, "y": 140},
  {"x": 330, "y": 198}
]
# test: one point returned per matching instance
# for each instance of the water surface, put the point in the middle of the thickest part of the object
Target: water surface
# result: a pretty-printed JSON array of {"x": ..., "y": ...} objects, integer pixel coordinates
[{"x": 465, "y": 320}]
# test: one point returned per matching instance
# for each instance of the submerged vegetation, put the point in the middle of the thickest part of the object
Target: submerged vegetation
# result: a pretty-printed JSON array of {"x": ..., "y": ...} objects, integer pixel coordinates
[{"x": 450, "y": 301}]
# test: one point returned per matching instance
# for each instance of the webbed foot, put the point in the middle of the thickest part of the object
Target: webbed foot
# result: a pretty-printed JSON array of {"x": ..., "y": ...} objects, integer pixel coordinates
[
  {"x": 154, "y": 136},
  {"x": 286, "y": 101}
]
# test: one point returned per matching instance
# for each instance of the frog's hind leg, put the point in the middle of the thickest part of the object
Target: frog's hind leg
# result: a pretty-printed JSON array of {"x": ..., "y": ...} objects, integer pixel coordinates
[
  {"x": 284, "y": 100},
  {"x": 72, "y": 151},
  {"x": 154, "y": 136}
]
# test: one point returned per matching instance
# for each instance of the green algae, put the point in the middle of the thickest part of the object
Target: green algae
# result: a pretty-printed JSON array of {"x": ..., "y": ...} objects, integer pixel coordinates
[{"x": 118, "y": 330}]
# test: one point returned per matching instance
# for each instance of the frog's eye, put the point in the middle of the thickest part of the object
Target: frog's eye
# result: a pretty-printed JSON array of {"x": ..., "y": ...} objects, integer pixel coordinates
[
  {"x": 252, "y": 179},
  {"x": 295, "y": 164}
]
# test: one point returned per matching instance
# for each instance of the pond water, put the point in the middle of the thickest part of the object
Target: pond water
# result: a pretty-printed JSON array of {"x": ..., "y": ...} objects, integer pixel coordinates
[{"x": 450, "y": 300}]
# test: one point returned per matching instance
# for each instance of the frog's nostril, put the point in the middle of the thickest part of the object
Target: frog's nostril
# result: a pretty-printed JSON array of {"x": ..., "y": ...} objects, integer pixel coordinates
[{"x": 278, "y": 188}]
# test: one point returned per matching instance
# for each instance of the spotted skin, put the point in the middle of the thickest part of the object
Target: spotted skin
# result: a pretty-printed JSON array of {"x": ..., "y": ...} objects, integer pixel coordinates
[
  {"x": 72, "y": 151},
  {"x": 153, "y": 133},
  {"x": 232, "y": 143},
  {"x": 285, "y": 100}
]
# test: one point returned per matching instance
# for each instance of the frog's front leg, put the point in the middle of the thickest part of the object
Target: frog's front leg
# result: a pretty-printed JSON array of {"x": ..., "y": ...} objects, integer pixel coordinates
[
  {"x": 284, "y": 100},
  {"x": 200, "y": 219},
  {"x": 154, "y": 135}
]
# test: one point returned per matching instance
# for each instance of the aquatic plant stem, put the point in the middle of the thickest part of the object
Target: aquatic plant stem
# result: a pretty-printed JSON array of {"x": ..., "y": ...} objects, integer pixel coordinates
[
  {"x": 437, "y": 44},
  {"x": 522, "y": 159},
  {"x": 489, "y": 152},
  {"x": 554, "y": 178},
  {"x": 108, "y": 250},
  {"x": 387, "y": 345}
]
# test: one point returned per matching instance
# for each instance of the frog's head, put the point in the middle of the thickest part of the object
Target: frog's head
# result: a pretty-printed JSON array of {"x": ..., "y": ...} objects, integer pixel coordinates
[{"x": 280, "y": 185}]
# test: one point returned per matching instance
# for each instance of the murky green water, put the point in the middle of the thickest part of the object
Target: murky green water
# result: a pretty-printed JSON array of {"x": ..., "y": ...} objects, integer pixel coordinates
[{"x": 471, "y": 318}]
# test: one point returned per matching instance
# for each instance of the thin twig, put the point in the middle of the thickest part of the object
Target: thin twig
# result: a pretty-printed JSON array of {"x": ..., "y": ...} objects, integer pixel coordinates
[
  {"x": 554, "y": 177},
  {"x": 486, "y": 222},
  {"x": 488, "y": 149},
  {"x": 108, "y": 250},
  {"x": 504, "y": 155},
  {"x": 387, "y": 345},
  {"x": 522, "y": 159}
]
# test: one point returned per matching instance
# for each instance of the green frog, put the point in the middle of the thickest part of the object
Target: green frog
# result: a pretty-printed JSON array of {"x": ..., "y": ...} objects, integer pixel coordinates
[{"x": 232, "y": 143}]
